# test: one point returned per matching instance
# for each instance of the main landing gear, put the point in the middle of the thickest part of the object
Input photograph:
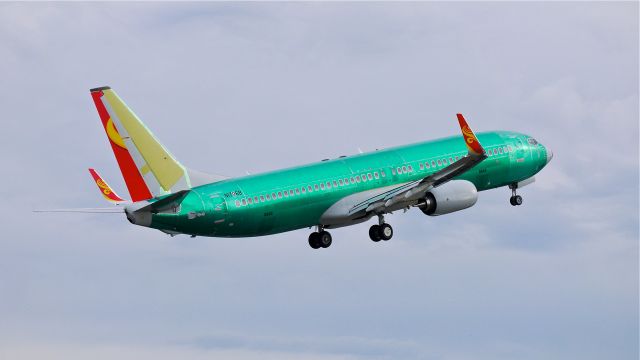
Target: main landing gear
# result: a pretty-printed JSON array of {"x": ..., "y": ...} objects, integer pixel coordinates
[
  {"x": 515, "y": 200},
  {"x": 382, "y": 231},
  {"x": 320, "y": 239}
]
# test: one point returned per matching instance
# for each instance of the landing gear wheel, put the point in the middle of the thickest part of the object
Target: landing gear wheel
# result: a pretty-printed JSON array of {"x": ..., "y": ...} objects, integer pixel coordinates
[
  {"x": 325, "y": 239},
  {"x": 517, "y": 200},
  {"x": 314, "y": 240},
  {"x": 374, "y": 233},
  {"x": 386, "y": 232}
]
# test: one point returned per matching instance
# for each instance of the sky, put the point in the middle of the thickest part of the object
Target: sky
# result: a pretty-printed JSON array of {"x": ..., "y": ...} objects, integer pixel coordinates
[{"x": 232, "y": 88}]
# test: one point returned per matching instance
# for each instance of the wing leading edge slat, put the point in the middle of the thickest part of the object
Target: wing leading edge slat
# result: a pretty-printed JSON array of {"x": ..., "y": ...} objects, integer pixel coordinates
[{"x": 412, "y": 191}]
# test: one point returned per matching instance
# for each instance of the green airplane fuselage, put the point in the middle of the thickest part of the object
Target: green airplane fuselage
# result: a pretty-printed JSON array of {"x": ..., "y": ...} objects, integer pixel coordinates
[{"x": 297, "y": 197}]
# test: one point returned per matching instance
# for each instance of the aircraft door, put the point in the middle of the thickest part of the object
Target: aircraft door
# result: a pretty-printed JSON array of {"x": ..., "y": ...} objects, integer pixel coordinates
[
  {"x": 217, "y": 213},
  {"x": 520, "y": 151}
]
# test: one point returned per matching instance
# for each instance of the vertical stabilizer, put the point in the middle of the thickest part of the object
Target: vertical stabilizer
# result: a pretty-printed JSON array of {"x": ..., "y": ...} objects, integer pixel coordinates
[{"x": 149, "y": 170}]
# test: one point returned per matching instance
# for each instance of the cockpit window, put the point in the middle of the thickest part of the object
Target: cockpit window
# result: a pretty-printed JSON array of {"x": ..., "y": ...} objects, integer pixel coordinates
[{"x": 532, "y": 141}]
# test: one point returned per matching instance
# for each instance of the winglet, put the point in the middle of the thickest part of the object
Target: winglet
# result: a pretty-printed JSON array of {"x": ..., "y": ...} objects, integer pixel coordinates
[
  {"x": 105, "y": 190},
  {"x": 469, "y": 137}
]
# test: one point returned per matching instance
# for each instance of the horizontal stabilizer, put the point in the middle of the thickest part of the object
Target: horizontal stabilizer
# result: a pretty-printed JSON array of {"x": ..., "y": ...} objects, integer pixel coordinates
[
  {"x": 105, "y": 189},
  {"x": 112, "y": 210}
]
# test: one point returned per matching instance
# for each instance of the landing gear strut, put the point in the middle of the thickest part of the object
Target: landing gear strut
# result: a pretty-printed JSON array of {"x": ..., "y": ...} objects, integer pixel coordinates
[
  {"x": 382, "y": 231},
  {"x": 515, "y": 199},
  {"x": 320, "y": 239}
]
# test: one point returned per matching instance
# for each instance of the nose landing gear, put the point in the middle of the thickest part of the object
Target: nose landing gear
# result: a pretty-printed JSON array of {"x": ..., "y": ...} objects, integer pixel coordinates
[{"x": 515, "y": 199}]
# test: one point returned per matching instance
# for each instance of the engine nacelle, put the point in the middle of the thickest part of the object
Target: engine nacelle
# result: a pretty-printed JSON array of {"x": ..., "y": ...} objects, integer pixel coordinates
[{"x": 449, "y": 197}]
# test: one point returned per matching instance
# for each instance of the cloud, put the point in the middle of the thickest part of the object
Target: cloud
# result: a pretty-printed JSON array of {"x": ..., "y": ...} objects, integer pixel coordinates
[{"x": 235, "y": 87}]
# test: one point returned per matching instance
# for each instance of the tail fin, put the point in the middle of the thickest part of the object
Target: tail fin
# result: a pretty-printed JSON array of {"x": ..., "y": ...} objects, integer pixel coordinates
[
  {"x": 105, "y": 189},
  {"x": 149, "y": 170}
]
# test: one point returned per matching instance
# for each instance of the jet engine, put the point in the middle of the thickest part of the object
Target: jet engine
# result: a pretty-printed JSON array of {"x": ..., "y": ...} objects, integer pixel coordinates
[{"x": 452, "y": 196}]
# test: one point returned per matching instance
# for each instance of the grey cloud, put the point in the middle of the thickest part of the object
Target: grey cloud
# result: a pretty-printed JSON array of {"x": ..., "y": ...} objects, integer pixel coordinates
[{"x": 235, "y": 87}]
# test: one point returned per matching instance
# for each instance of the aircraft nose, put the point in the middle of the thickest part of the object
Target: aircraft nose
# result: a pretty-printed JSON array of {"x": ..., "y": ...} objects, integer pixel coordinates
[{"x": 549, "y": 155}]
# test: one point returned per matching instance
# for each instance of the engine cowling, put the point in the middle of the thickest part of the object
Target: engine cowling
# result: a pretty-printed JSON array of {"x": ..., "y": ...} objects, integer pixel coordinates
[{"x": 449, "y": 197}]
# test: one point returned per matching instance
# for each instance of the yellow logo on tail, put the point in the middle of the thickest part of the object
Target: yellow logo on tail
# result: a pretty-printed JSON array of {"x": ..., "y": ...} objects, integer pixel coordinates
[{"x": 113, "y": 134}]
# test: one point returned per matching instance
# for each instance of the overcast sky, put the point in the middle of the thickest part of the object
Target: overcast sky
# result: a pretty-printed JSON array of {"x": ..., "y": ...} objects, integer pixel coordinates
[{"x": 230, "y": 88}]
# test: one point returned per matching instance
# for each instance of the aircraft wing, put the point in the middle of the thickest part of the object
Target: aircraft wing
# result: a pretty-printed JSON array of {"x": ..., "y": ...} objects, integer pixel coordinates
[{"x": 408, "y": 193}]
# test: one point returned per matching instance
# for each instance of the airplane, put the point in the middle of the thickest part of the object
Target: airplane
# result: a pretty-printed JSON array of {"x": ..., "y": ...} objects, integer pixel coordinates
[{"x": 438, "y": 177}]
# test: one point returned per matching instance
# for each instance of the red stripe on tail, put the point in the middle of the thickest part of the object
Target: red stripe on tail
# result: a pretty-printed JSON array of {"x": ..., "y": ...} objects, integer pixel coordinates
[{"x": 132, "y": 177}]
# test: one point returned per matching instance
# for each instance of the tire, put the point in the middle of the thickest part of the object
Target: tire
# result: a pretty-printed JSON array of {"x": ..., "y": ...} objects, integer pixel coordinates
[
  {"x": 512, "y": 201},
  {"x": 374, "y": 233},
  {"x": 386, "y": 232},
  {"x": 314, "y": 240},
  {"x": 518, "y": 200},
  {"x": 325, "y": 239}
]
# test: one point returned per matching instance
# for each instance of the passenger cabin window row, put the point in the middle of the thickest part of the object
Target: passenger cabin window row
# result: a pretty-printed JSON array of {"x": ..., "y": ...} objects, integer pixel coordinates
[
  {"x": 311, "y": 188},
  {"x": 356, "y": 179},
  {"x": 499, "y": 150}
]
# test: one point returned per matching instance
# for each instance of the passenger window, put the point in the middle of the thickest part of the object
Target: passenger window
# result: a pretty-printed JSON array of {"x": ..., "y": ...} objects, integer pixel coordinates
[
  {"x": 255, "y": 199},
  {"x": 261, "y": 198},
  {"x": 439, "y": 162},
  {"x": 433, "y": 163},
  {"x": 346, "y": 181},
  {"x": 421, "y": 166},
  {"x": 364, "y": 177},
  {"x": 426, "y": 165},
  {"x": 328, "y": 184},
  {"x": 297, "y": 191},
  {"x": 244, "y": 202},
  {"x": 353, "y": 180},
  {"x": 316, "y": 187},
  {"x": 376, "y": 175},
  {"x": 310, "y": 188},
  {"x": 450, "y": 160},
  {"x": 250, "y": 201},
  {"x": 268, "y": 197},
  {"x": 358, "y": 179},
  {"x": 410, "y": 168},
  {"x": 404, "y": 169},
  {"x": 399, "y": 170},
  {"x": 500, "y": 150},
  {"x": 341, "y": 182},
  {"x": 383, "y": 173},
  {"x": 237, "y": 203},
  {"x": 303, "y": 189},
  {"x": 393, "y": 171},
  {"x": 335, "y": 183},
  {"x": 291, "y": 192},
  {"x": 369, "y": 176},
  {"x": 279, "y": 194}
]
